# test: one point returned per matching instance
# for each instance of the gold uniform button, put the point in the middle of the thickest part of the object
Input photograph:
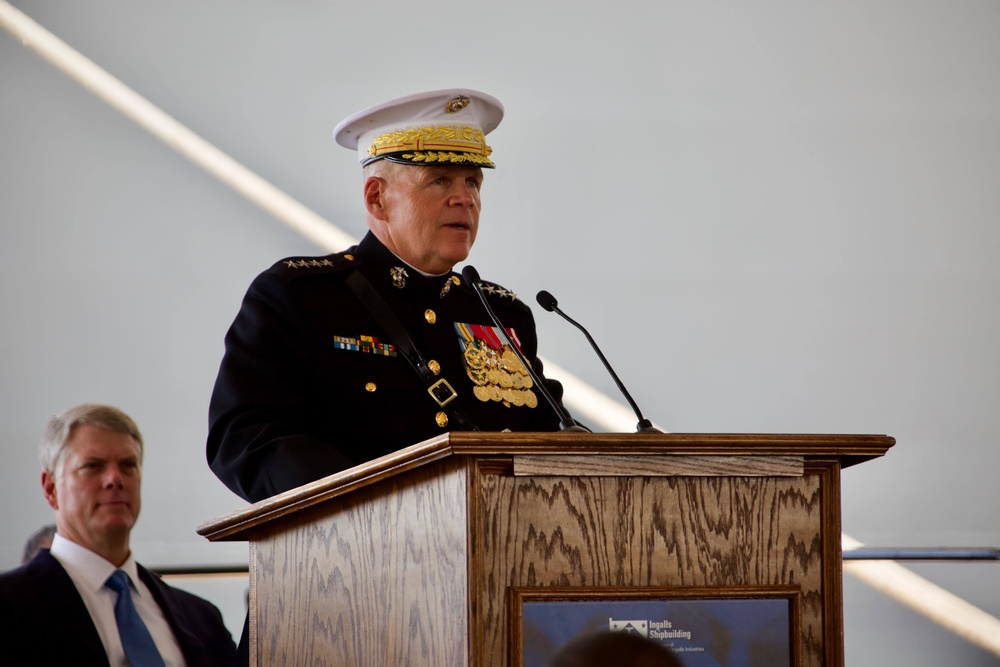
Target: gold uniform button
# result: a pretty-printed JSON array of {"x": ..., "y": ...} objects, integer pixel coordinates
[
  {"x": 441, "y": 419},
  {"x": 434, "y": 366},
  {"x": 349, "y": 258},
  {"x": 370, "y": 387},
  {"x": 430, "y": 316}
]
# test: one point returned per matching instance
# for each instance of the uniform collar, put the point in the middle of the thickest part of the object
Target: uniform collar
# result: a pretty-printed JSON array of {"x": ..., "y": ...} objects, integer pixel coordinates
[{"x": 387, "y": 272}]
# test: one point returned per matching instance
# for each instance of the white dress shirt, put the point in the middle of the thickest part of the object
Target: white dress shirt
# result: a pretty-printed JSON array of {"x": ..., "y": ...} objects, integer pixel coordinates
[{"x": 89, "y": 572}]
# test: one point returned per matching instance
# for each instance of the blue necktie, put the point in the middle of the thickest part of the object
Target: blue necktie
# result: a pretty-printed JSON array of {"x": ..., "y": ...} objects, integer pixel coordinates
[{"x": 136, "y": 640}]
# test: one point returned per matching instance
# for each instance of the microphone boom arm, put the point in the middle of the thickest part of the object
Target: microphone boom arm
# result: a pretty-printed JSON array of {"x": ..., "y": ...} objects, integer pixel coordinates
[{"x": 549, "y": 303}]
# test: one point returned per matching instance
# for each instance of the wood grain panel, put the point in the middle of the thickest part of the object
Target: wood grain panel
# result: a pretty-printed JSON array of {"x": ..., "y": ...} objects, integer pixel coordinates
[
  {"x": 647, "y": 531},
  {"x": 380, "y": 580},
  {"x": 828, "y": 471},
  {"x": 623, "y": 465}
]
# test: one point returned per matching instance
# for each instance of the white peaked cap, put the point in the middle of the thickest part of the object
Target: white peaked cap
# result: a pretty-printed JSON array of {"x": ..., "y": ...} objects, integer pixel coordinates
[{"x": 440, "y": 127}]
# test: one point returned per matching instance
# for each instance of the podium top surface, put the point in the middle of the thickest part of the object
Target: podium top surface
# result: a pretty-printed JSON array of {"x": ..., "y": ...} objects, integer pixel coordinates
[{"x": 848, "y": 449}]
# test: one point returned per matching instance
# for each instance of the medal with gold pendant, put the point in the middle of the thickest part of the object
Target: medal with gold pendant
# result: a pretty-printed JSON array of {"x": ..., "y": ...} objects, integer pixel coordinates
[{"x": 494, "y": 369}]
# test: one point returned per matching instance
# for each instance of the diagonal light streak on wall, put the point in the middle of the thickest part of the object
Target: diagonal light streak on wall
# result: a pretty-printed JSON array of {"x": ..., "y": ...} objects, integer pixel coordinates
[
  {"x": 593, "y": 407},
  {"x": 165, "y": 128}
]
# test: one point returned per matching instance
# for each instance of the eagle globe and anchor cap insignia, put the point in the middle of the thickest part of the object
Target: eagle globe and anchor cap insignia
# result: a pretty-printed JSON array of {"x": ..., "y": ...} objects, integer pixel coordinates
[{"x": 457, "y": 103}]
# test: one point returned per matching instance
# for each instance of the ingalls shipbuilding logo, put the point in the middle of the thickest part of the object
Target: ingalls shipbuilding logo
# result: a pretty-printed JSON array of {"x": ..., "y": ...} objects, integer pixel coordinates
[
  {"x": 629, "y": 627},
  {"x": 652, "y": 629}
]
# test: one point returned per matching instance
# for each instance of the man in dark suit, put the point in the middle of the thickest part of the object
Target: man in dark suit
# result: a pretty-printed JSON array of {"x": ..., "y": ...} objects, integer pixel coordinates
[
  {"x": 62, "y": 608},
  {"x": 333, "y": 361}
]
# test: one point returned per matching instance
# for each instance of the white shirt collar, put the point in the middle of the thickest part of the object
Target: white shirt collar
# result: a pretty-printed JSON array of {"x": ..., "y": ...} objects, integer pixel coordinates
[
  {"x": 413, "y": 268},
  {"x": 89, "y": 569}
]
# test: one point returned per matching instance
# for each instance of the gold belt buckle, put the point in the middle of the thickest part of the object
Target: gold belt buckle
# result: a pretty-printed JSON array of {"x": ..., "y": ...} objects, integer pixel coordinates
[{"x": 442, "y": 392}]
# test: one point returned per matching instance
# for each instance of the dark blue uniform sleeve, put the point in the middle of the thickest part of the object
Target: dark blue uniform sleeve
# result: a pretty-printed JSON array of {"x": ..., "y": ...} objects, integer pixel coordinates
[{"x": 261, "y": 439}]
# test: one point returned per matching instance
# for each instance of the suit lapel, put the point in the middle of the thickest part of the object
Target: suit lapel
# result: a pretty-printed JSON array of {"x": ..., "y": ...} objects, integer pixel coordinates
[
  {"x": 59, "y": 594},
  {"x": 189, "y": 643}
]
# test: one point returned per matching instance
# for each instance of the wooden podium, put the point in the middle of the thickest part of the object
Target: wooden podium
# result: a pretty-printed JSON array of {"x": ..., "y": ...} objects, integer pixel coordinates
[{"x": 411, "y": 559}]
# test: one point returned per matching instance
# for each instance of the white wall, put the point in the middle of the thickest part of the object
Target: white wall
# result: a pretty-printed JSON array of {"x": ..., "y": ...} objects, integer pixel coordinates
[{"x": 773, "y": 216}]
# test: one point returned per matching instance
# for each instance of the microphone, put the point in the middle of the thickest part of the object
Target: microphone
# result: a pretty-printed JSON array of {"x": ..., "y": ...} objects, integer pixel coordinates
[
  {"x": 566, "y": 423},
  {"x": 549, "y": 303}
]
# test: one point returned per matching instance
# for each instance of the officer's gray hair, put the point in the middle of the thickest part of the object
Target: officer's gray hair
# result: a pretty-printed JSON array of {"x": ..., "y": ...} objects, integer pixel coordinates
[
  {"x": 377, "y": 168},
  {"x": 59, "y": 430}
]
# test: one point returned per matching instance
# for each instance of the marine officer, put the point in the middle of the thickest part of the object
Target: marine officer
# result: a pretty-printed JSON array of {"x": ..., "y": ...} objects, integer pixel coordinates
[{"x": 333, "y": 361}]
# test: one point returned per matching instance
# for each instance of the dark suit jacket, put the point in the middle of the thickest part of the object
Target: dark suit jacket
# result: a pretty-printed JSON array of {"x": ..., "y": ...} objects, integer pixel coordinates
[{"x": 43, "y": 620}]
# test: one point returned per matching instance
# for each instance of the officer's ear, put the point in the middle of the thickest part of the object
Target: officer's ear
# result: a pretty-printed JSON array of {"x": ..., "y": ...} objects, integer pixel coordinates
[{"x": 375, "y": 189}]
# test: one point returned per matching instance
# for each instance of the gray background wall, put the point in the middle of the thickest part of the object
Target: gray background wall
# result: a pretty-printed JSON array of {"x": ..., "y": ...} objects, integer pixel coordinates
[{"x": 773, "y": 216}]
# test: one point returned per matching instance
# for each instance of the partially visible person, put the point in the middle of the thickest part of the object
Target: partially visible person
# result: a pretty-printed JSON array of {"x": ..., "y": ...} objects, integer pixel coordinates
[
  {"x": 614, "y": 649},
  {"x": 40, "y": 539},
  {"x": 85, "y": 600}
]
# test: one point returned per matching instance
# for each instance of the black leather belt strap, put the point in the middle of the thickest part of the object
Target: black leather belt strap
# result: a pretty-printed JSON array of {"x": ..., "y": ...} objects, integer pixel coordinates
[{"x": 439, "y": 388}]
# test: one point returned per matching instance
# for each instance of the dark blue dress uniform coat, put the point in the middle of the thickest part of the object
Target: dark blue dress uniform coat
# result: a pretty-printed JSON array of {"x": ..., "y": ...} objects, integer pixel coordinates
[{"x": 310, "y": 384}]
